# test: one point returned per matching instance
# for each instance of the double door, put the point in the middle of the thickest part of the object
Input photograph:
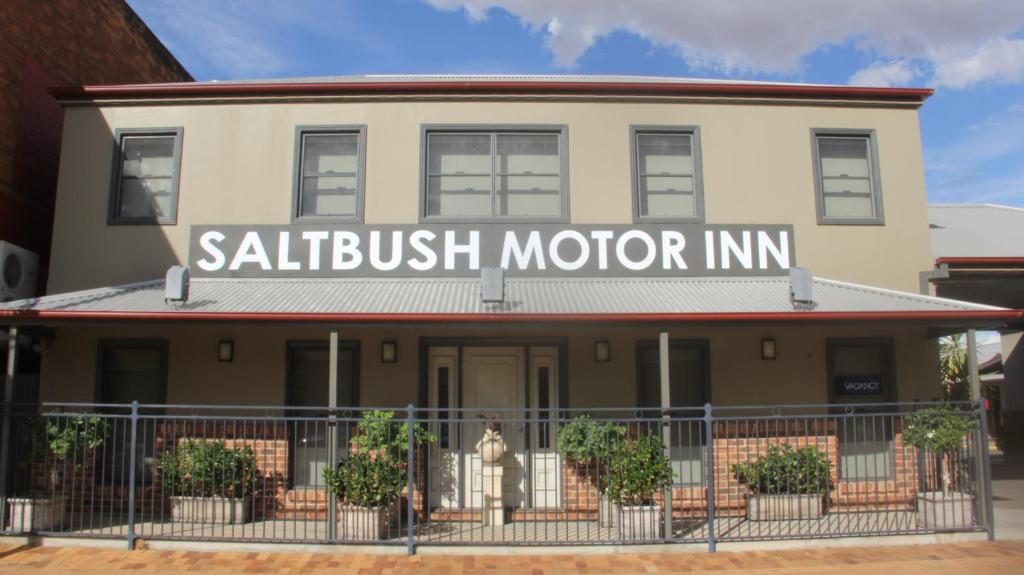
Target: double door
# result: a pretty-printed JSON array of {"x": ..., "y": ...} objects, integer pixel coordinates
[{"x": 513, "y": 390}]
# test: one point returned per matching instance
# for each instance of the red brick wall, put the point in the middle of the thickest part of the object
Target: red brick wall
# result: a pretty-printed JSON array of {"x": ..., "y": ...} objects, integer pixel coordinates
[{"x": 51, "y": 42}]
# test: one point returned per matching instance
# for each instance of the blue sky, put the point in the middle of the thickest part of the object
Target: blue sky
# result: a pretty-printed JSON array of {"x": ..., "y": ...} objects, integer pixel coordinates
[{"x": 971, "y": 51}]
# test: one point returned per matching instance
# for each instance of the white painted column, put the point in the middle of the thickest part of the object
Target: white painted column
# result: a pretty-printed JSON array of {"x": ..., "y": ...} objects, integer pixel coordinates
[
  {"x": 972, "y": 364},
  {"x": 666, "y": 405},
  {"x": 332, "y": 427}
]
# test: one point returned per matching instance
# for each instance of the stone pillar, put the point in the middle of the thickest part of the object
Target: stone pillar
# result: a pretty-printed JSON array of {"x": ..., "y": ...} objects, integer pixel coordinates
[
  {"x": 1011, "y": 439},
  {"x": 494, "y": 505}
]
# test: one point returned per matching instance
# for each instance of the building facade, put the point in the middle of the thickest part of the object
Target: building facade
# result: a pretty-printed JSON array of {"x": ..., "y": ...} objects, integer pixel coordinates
[{"x": 482, "y": 248}]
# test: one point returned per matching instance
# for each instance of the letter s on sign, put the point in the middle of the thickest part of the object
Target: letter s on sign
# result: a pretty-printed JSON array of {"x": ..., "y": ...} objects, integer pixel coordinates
[{"x": 207, "y": 242}]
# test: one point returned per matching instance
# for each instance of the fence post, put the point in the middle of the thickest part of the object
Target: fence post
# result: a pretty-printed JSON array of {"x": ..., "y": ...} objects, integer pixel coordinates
[
  {"x": 709, "y": 474},
  {"x": 410, "y": 545},
  {"x": 986, "y": 470},
  {"x": 131, "y": 476}
]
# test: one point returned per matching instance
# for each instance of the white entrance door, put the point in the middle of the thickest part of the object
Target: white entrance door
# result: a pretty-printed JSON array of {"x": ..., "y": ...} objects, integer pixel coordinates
[
  {"x": 492, "y": 381},
  {"x": 545, "y": 464},
  {"x": 494, "y": 384}
]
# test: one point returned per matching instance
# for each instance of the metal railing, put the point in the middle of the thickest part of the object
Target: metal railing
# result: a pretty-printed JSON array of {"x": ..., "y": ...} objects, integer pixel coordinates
[{"x": 412, "y": 476}]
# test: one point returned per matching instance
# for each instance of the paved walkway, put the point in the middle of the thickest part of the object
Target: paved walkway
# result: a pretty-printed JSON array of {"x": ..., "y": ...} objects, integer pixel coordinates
[{"x": 975, "y": 558}]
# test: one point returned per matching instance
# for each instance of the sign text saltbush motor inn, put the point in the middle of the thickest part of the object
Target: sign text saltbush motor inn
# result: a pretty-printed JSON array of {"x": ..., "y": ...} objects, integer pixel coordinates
[{"x": 432, "y": 250}]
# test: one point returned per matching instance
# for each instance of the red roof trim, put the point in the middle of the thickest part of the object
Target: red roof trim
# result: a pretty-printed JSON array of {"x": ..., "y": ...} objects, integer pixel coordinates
[
  {"x": 972, "y": 261},
  {"x": 489, "y": 87},
  {"x": 511, "y": 318}
]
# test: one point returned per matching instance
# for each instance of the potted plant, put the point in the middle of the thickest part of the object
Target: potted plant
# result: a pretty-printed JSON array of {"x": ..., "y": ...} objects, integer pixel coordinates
[
  {"x": 639, "y": 471},
  {"x": 940, "y": 432},
  {"x": 587, "y": 445},
  {"x": 786, "y": 483},
  {"x": 369, "y": 482},
  {"x": 208, "y": 481},
  {"x": 56, "y": 442}
]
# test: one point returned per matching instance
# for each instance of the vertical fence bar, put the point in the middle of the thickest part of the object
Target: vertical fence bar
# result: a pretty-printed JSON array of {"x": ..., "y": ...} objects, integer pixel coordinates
[
  {"x": 131, "y": 476},
  {"x": 410, "y": 545},
  {"x": 709, "y": 474},
  {"x": 985, "y": 477}
]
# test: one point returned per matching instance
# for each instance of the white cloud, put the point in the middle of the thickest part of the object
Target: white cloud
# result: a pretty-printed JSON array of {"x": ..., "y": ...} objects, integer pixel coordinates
[
  {"x": 897, "y": 73},
  {"x": 964, "y": 42}
]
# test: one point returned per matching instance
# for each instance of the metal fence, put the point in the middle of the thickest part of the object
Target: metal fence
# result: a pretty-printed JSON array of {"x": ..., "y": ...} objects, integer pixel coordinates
[{"x": 412, "y": 476}]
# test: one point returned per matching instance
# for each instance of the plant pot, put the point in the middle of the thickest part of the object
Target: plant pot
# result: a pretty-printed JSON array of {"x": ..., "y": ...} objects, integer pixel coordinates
[
  {"x": 363, "y": 523},
  {"x": 640, "y": 523},
  {"x": 937, "y": 511},
  {"x": 607, "y": 512},
  {"x": 761, "y": 507},
  {"x": 34, "y": 514},
  {"x": 210, "y": 510}
]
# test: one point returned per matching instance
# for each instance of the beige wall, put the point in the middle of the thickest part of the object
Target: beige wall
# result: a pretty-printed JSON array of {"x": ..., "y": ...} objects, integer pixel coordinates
[
  {"x": 256, "y": 377},
  {"x": 237, "y": 163}
]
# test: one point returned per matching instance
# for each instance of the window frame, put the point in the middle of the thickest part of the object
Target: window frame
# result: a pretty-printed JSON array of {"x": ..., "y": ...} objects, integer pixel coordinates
[
  {"x": 704, "y": 345},
  {"x": 635, "y": 131},
  {"x": 117, "y": 177},
  {"x": 102, "y": 345},
  {"x": 561, "y": 130},
  {"x": 301, "y": 132},
  {"x": 871, "y": 137},
  {"x": 887, "y": 343}
]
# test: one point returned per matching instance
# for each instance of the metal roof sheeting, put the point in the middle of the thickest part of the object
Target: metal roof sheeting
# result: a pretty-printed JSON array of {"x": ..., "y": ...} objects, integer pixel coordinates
[
  {"x": 976, "y": 230},
  {"x": 461, "y": 296}
]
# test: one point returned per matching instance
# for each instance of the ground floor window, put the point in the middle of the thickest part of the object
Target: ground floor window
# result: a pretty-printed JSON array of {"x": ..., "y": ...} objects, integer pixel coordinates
[
  {"x": 688, "y": 388},
  {"x": 131, "y": 370},
  {"x": 861, "y": 372},
  {"x": 308, "y": 385}
]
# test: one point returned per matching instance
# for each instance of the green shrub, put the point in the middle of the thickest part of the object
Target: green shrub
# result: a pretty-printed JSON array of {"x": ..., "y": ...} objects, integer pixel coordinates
[
  {"x": 64, "y": 437},
  {"x": 638, "y": 471},
  {"x": 378, "y": 431},
  {"x": 367, "y": 479},
  {"x": 199, "y": 468},
  {"x": 583, "y": 439},
  {"x": 375, "y": 473},
  {"x": 941, "y": 430},
  {"x": 784, "y": 470}
]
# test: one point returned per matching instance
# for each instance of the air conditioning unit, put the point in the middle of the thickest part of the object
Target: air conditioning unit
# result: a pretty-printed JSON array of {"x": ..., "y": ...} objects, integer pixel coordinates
[{"x": 18, "y": 270}]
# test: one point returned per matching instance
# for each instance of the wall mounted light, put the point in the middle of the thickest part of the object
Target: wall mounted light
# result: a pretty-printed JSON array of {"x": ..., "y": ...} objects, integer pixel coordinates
[
  {"x": 768, "y": 348},
  {"x": 388, "y": 352},
  {"x": 226, "y": 350},
  {"x": 602, "y": 350}
]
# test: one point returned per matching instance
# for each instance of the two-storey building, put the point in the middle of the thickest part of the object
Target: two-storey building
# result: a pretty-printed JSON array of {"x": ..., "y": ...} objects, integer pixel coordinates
[{"x": 343, "y": 235}]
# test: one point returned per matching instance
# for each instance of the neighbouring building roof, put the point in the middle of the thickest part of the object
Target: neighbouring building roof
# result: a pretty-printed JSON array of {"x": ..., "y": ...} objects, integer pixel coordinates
[
  {"x": 526, "y": 299},
  {"x": 500, "y": 84},
  {"x": 976, "y": 231}
]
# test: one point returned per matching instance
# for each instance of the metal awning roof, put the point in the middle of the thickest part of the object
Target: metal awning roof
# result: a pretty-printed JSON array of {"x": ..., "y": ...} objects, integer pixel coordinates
[{"x": 526, "y": 299}]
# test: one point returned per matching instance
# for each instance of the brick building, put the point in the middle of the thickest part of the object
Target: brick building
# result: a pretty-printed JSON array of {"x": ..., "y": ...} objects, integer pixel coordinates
[{"x": 46, "y": 43}]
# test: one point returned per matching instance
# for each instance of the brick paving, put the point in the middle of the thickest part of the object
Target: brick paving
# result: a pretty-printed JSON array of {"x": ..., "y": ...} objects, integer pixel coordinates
[{"x": 974, "y": 558}]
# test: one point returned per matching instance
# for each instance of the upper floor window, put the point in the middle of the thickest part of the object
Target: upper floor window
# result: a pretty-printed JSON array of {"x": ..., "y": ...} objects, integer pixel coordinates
[
  {"x": 514, "y": 173},
  {"x": 329, "y": 179},
  {"x": 666, "y": 172},
  {"x": 846, "y": 169},
  {"x": 145, "y": 178}
]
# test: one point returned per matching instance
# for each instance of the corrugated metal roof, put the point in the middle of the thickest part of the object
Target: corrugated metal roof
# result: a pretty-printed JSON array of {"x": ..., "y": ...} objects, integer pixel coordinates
[
  {"x": 976, "y": 230},
  {"x": 461, "y": 296}
]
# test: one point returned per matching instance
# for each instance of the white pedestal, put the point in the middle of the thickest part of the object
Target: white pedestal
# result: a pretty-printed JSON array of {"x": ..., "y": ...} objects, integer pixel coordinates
[{"x": 494, "y": 506}]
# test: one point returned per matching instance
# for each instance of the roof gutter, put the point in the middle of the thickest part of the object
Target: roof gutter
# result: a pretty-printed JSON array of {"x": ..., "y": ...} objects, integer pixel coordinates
[
  {"x": 130, "y": 91},
  {"x": 469, "y": 318},
  {"x": 981, "y": 261}
]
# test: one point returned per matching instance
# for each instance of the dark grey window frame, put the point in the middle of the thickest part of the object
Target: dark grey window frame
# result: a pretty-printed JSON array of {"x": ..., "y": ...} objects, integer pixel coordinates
[
  {"x": 341, "y": 129},
  {"x": 698, "y": 177},
  {"x": 641, "y": 344},
  {"x": 113, "y": 208},
  {"x": 562, "y": 130},
  {"x": 876, "y": 180},
  {"x": 142, "y": 343}
]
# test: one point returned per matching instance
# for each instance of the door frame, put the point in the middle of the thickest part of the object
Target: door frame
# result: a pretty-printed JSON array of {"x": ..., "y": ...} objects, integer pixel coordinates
[
  {"x": 560, "y": 344},
  {"x": 290, "y": 346}
]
